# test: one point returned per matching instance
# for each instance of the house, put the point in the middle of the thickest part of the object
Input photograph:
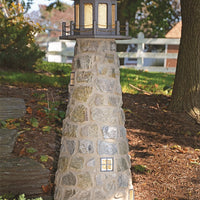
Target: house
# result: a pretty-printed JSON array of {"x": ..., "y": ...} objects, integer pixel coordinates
[{"x": 174, "y": 33}]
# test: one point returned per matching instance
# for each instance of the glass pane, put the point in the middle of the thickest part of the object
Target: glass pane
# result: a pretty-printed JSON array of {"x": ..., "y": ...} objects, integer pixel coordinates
[
  {"x": 102, "y": 15},
  {"x": 72, "y": 77},
  {"x": 109, "y": 162},
  {"x": 109, "y": 167},
  {"x": 77, "y": 15},
  {"x": 113, "y": 16},
  {"x": 103, "y": 168},
  {"x": 88, "y": 13},
  {"x": 103, "y": 161},
  {"x": 131, "y": 194}
]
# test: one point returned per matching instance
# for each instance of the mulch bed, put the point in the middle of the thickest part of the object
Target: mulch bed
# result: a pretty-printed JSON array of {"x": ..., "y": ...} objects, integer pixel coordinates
[{"x": 164, "y": 146}]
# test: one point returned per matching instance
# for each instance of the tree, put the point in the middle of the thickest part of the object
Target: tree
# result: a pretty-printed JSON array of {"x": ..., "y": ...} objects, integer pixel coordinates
[
  {"x": 7, "y": 4},
  {"x": 127, "y": 10},
  {"x": 153, "y": 17},
  {"x": 53, "y": 19},
  {"x": 156, "y": 17},
  {"x": 57, "y": 5},
  {"x": 186, "y": 90}
]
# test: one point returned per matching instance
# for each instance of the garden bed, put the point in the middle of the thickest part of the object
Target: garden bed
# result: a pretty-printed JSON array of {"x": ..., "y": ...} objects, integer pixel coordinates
[{"x": 164, "y": 146}]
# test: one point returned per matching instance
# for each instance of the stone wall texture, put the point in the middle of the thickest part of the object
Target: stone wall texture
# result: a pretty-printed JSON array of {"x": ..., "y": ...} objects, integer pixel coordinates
[{"x": 94, "y": 162}]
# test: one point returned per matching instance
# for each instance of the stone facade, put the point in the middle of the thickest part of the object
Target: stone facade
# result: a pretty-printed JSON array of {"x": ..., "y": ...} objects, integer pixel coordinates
[{"x": 94, "y": 162}]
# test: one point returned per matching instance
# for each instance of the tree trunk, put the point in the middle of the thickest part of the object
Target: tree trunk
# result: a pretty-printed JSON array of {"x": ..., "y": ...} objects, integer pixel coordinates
[{"x": 186, "y": 91}]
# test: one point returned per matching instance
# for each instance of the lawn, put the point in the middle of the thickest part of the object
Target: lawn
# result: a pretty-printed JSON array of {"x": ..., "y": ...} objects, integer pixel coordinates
[
  {"x": 58, "y": 75},
  {"x": 44, "y": 74},
  {"x": 152, "y": 82}
]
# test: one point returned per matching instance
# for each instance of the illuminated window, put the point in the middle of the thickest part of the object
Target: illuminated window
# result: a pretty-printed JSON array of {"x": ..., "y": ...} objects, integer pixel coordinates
[
  {"x": 88, "y": 15},
  {"x": 106, "y": 164},
  {"x": 102, "y": 15},
  {"x": 131, "y": 195},
  {"x": 72, "y": 78},
  {"x": 77, "y": 15},
  {"x": 113, "y": 16}
]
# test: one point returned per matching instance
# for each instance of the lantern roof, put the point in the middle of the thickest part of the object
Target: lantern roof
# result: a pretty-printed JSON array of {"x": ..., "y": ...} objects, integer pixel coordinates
[{"x": 95, "y": 19}]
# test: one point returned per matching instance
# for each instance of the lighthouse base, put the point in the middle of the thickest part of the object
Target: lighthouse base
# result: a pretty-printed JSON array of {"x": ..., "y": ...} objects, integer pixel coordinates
[{"x": 94, "y": 163}]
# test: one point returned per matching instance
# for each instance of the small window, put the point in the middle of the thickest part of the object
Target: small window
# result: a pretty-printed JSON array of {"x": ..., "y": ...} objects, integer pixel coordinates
[
  {"x": 102, "y": 15},
  {"x": 131, "y": 194},
  {"x": 77, "y": 16},
  {"x": 106, "y": 164},
  {"x": 72, "y": 78},
  {"x": 113, "y": 16},
  {"x": 88, "y": 15}
]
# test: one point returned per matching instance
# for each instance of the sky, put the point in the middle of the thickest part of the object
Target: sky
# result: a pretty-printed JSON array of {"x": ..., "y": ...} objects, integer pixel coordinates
[{"x": 35, "y": 4}]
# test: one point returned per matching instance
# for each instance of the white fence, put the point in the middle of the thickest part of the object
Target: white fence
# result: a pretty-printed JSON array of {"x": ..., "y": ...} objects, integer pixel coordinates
[
  {"x": 63, "y": 51},
  {"x": 60, "y": 51}
]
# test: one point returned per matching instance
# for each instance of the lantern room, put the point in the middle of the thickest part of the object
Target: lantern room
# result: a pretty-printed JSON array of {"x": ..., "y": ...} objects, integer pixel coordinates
[{"x": 95, "y": 19}]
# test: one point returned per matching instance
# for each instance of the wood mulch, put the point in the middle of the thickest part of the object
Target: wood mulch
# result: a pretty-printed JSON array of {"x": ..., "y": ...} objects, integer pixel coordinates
[
  {"x": 164, "y": 146},
  {"x": 168, "y": 144}
]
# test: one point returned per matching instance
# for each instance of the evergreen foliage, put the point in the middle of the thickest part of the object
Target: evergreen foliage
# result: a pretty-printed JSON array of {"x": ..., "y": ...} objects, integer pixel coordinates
[{"x": 17, "y": 46}]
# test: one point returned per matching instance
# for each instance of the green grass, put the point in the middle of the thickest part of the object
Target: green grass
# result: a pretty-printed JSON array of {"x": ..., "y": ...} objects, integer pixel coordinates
[
  {"x": 45, "y": 74},
  {"x": 21, "y": 197},
  {"x": 54, "y": 68},
  {"x": 140, "y": 169},
  {"x": 58, "y": 75},
  {"x": 152, "y": 82}
]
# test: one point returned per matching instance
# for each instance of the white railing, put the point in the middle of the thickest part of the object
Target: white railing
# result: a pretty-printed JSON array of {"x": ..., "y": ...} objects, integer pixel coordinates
[
  {"x": 65, "y": 52},
  {"x": 60, "y": 51},
  {"x": 140, "y": 55}
]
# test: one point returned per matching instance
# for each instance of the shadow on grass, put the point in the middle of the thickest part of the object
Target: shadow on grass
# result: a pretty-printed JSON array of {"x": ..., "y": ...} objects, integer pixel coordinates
[{"x": 44, "y": 74}]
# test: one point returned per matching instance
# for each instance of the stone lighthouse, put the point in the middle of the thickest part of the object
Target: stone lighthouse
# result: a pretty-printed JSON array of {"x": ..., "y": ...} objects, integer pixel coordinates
[{"x": 94, "y": 163}]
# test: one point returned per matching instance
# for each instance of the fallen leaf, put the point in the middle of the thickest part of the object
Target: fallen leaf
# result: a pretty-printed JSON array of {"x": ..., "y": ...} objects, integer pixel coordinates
[
  {"x": 11, "y": 126},
  {"x": 3, "y": 124},
  {"x": 21, "y": 135},
  {"x": 195, "y": 161},
  {"x": 11, "y": 120},
  {"x": 43, "y": 104},
  {"x": 51, "y": 158},
  {"x": 29, "y": 110},
  {"x": 20, "y": 132},
  {"x": 44, "y": 158},
  {"x": 46, "y": 188},
  {"x": 20, "y": 139},
  {"x": 174, "y": 158},
  {"x": 156, "y": 85},
  {"x": 197, "y": 150},
  {"x": 46, "y": 129},
  {"x": 27, "y": 129},
  {"x": 33, "y": 101},
  {"x": 127, "y": 110},
  {"x": 178, "y": 148},
  {"x": 198, "y": 133},
  {"x": 22, "y": 152},
  {"x": 41, "y": 113},
  {"x": 31, "y": 150},
  {"x": 34, "y": 122}
]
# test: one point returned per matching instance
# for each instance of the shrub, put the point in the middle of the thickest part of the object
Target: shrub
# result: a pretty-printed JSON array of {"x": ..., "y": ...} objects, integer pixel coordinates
[{"x": 17, "y": 46}]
